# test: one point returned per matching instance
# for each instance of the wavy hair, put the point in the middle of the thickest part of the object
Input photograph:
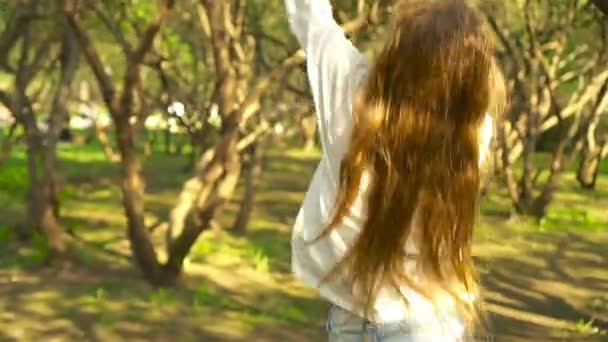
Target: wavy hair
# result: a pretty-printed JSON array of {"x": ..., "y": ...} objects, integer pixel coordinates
[{"x": 417, "y": 135}]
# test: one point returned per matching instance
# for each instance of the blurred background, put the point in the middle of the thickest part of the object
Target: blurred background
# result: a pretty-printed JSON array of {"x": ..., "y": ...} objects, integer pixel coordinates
[{"x": 154, "y": 154}]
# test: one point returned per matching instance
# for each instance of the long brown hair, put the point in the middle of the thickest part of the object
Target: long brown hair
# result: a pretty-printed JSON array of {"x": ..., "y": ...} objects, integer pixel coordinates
[{"x": 417, "y": 134}]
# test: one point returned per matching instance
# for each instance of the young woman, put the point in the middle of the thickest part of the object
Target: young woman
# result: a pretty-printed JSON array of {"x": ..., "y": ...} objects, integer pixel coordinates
[{"x": 386, "y": 226}]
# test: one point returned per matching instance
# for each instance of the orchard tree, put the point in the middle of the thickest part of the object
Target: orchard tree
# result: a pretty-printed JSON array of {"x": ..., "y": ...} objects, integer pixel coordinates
[
  {"x": 553, "y": 54},
  {"x": 224, "y": 70},
  {"x": 37, "y": 63},
  {"x": 123, "y": 107}
]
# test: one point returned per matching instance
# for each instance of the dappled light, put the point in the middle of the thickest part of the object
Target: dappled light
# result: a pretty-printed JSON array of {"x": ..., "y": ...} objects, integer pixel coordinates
[
  {"x": 154, "y": 156},
  {"x": 243, "y": 288}
]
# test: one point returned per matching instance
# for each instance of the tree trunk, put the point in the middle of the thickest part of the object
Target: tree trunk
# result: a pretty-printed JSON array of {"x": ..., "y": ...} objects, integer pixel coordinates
[
  {"x": 58, "y": 238},
  {"x": 108, "y": 150},
  {"x": 34, "y": 195},
  {"x": 593, "y": 153},
  {"x": 559, "y": 161},
  {"x": 309, "y": 130},
  {"x": 179, "y": 145},
  {"x": 147, "y": 149},
  {"x": 587, "y": 172},
  {"x": 153, "y": 139},
  {"x": 58, "y": 121},
  {"x": 43, "y": 204},
  {"x": 150, "y": 138},
  {"x": 507, "y": 168},
  {"x": 41, "y": 199},
  {"x": 42, "y": 181},
  {"x": 589, "y": 166},
  {"x": 538, "y": 209},
  {"x": 7, "y": 144},
  {"x": 194, "y": 151},
  {"x": 123, "y": 106},
  {"x": 167, "y": 141},
  {"x": 526, "y": 185},
  {"x": 202, "y": 197},
  {"x": 35, "y": 159},
  {"x": 133, "y": 188},
  {"x": 251, "y": 174}
]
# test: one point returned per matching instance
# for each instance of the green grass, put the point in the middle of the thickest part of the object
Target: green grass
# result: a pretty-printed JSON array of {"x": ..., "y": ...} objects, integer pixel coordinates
[
  {"x": 589, "y": 328},
  {"x": 91, "y": 207},
  {"x": 227, "y": 249},
  {"x": 22, "y": 257},
  {"x": 242, "y": 280}
]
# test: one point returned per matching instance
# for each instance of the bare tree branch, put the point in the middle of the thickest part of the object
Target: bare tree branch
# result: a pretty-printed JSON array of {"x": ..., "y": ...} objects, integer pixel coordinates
[
  {"x": 106, "y": 85},
  {"x": 135, "y": 59},
  {"x": 113, "y": 27},
  {"x": 252, "y": 103},
  {"x": 150, "y": 32},
  {"x": 365, "y": 15}
]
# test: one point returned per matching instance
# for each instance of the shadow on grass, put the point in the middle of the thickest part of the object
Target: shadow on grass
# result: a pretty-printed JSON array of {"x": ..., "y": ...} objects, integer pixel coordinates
[
  {"x": 114, "y": 304},
  {"x": 531, "y": 292},
  {"x": 548, "y": 287},
  {"x": 275, "y": 245}
]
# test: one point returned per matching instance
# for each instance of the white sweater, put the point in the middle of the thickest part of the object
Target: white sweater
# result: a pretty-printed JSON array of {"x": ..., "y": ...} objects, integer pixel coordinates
[{"x": 335, "y": 69}]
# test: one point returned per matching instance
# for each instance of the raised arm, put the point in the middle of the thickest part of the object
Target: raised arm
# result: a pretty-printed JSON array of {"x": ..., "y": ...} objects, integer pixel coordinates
[
  {"x": 313, "y": 24},
  {"x": 331, "y": 59},
  {"x": 307, "y": 17}
]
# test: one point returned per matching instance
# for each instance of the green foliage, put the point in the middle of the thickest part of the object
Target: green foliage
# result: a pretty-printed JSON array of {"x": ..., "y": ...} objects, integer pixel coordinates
[
  {"x": 572, "y": 218},
  {"x": 588, "y": 328},
  {"x": 260, "y": 261},
  {"x": 143, "y": 11}
]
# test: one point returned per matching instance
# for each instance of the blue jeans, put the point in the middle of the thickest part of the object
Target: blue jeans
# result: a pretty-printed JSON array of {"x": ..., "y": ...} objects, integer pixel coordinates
[{"x": 343, "y": 326}]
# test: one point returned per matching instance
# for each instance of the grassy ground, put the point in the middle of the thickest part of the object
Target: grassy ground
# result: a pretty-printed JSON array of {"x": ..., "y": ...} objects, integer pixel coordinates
[{"x": 544, "y": 281}]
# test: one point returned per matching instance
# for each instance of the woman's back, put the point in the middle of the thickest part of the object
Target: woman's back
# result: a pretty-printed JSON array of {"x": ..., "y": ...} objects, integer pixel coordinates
[{"x": 385, "y": 228}]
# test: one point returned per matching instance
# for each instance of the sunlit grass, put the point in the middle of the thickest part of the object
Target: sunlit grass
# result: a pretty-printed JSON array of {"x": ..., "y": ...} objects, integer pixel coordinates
[
  {"x": 589, "y": 328},
  {"x": 235, "y": 282},
  {"x": 92, "y": 153}
]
